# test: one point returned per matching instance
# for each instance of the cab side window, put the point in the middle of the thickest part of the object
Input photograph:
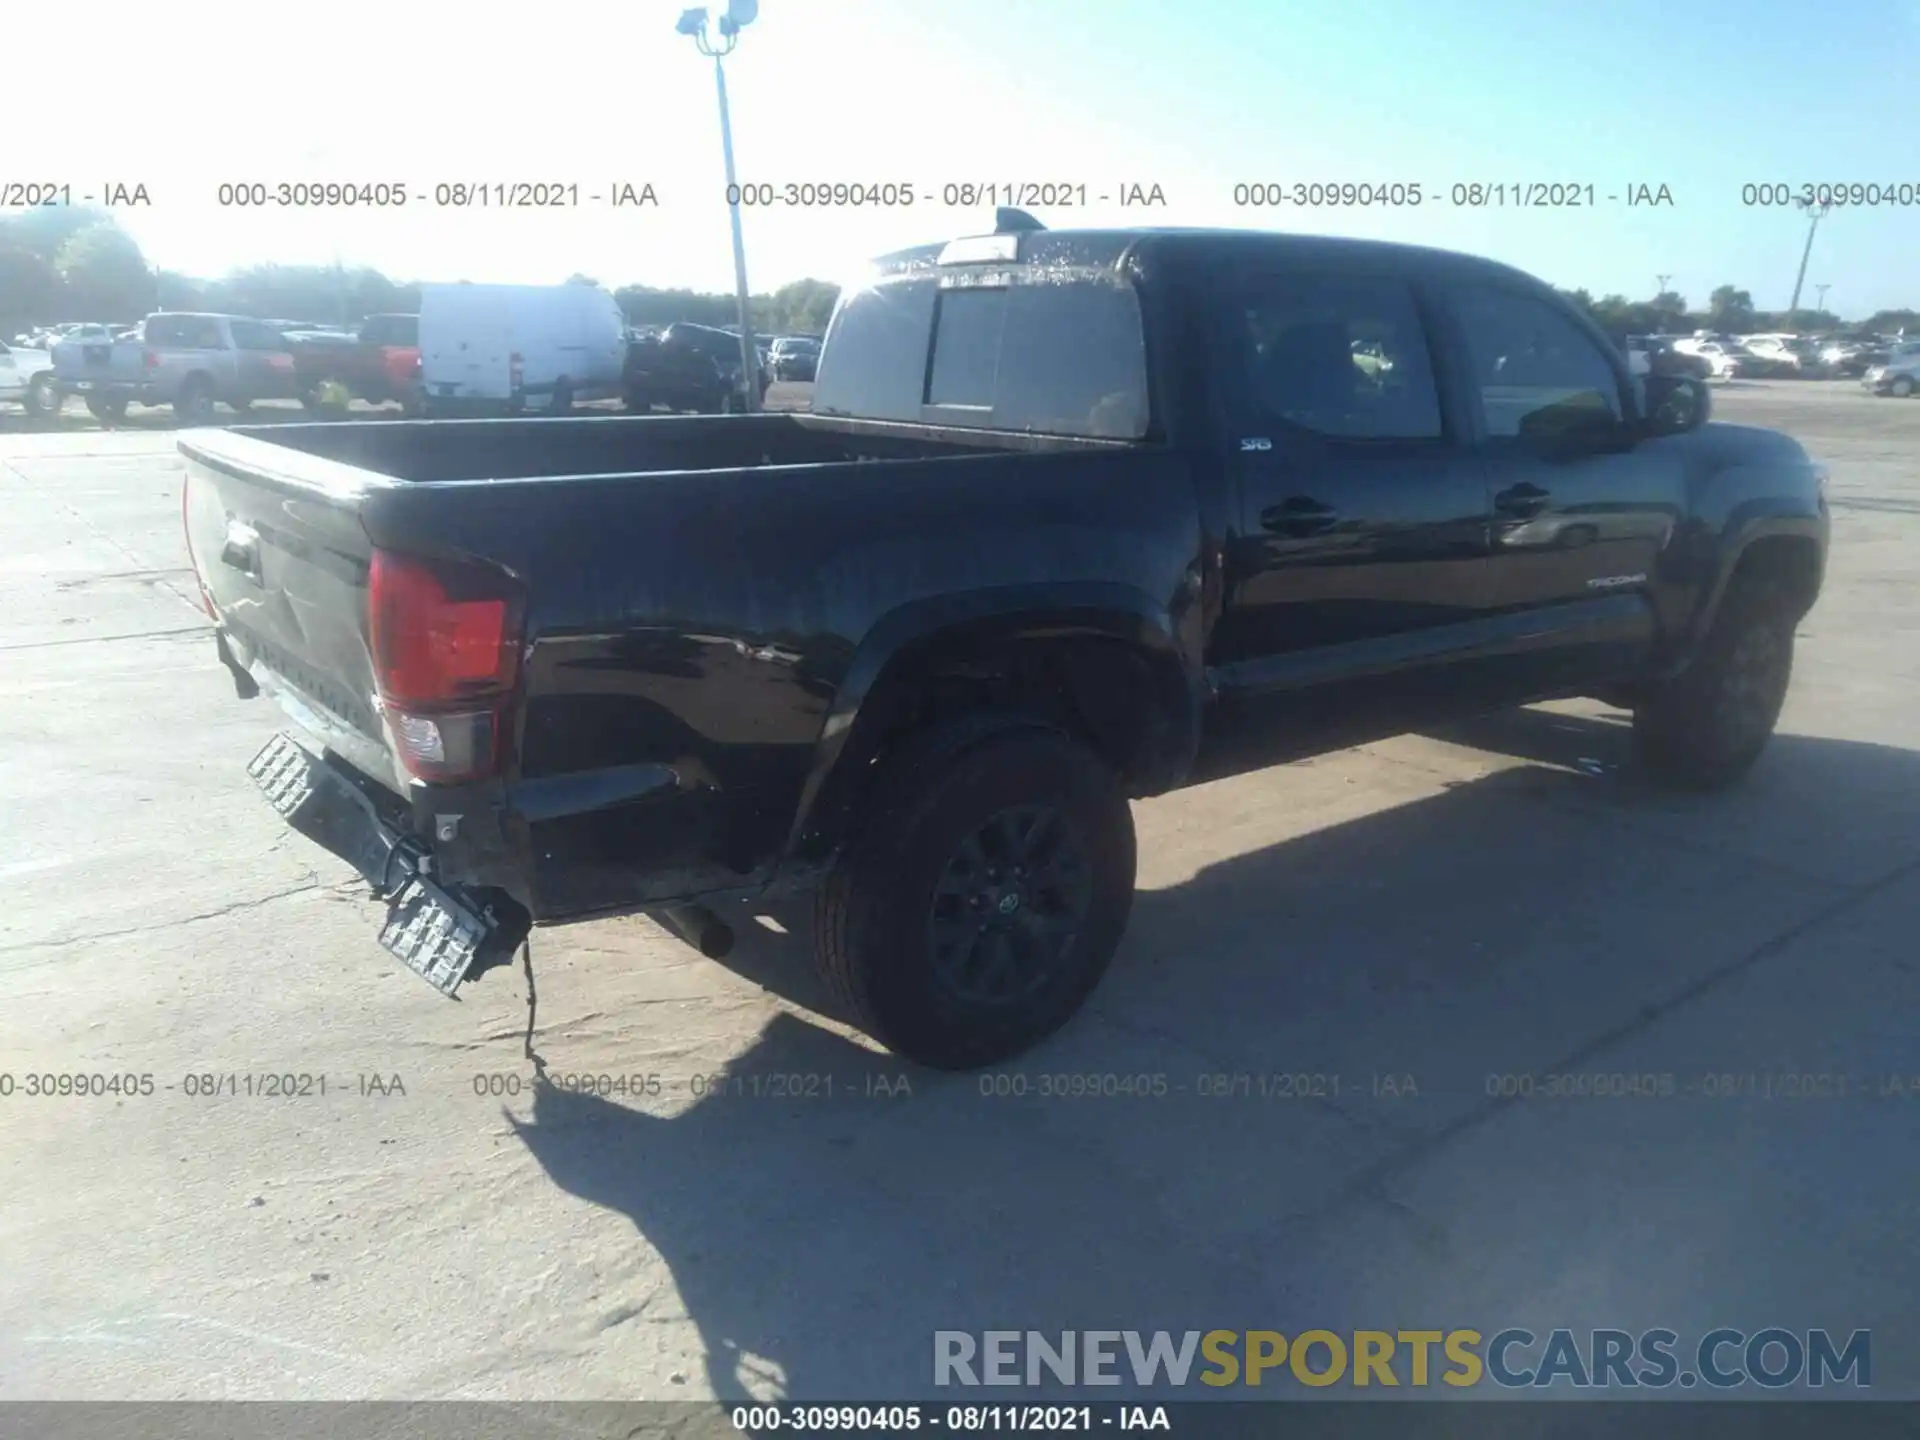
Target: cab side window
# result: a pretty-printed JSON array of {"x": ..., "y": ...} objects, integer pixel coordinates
[
  {"x": 1342, "y": 356},
  {"x": 249, "y": 335},
  {"x": 1531, "y": 366}
]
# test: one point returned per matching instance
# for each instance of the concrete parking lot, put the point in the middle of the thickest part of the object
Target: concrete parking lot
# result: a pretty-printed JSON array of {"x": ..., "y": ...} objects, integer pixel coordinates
[{"x": 1420, "y": 920}]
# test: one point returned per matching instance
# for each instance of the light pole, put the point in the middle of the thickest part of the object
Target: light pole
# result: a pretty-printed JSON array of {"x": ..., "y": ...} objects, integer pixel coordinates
[
  {"x": 1820, "y": 298},
  {"x": 694, "y": 23},
  {"x": 1816, "y": 214},
  {"x": 1660, "y": 289}
]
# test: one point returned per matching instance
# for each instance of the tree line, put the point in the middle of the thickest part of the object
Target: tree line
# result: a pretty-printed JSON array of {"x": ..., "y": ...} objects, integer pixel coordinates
[
  {"x": 73, "y": 263},
  {"x": 69, "y": 263}
]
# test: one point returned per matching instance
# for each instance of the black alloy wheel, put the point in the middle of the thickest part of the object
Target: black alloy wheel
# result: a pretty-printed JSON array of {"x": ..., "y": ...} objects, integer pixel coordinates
[{"x": 1009, "y": 907}]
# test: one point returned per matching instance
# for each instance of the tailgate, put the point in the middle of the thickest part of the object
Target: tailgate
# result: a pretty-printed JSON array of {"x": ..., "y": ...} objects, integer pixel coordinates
[
  {"x": 284, "y": 562},
  {"x": 400, "y": 364},
  {"x": 100, "y": 360}
]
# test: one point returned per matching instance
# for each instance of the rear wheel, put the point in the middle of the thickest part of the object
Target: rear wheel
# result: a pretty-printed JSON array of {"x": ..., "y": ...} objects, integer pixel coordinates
[
  {"x": 1703, "y": 729},
  {"x": 1902, "y": 386},
  {"x": 107, "y": 408},
  {"x": 561, "y": 402},
  {"x": 43, "y": 398},
  {"x": 983, "y": 897},
  {"x": 194, "y": 404}
]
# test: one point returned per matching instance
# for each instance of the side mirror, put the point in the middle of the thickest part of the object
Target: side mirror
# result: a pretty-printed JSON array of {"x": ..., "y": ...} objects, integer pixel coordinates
[{"x": 1674, "y": 404}]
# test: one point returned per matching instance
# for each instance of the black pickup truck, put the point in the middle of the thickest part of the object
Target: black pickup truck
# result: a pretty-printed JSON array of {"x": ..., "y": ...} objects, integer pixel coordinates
[{"x": 1072, "y": 511}]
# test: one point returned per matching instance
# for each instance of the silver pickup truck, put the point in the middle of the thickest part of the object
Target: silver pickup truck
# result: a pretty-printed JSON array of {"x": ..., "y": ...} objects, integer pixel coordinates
[{"x": 185, "y": 360}]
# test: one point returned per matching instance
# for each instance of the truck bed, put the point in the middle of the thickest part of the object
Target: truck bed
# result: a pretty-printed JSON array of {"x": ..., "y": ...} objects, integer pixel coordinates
[
  {"x": 697, "y": 591},
  {"x": 611, "y": 446}
]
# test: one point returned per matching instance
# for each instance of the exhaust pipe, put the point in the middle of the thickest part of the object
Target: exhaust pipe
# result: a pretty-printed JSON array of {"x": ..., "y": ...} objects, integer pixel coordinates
[{"x": 699, "y": 927}]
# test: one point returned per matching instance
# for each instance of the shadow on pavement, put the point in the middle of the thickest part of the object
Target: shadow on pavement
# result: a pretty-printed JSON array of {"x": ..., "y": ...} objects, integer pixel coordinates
[{"x": 1502, "y": 924}]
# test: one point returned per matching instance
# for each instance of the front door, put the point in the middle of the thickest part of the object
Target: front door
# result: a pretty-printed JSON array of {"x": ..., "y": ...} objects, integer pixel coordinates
[
  {"x": 1580, "y": 525},
  {"x": 1360, "y": 548}
]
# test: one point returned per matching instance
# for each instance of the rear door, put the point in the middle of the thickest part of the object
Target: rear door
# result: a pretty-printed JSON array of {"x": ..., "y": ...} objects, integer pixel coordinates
[
  {"x": 606, "y": 339},
  {"x": 262, "y": 362},
  {"x": 1578, "y": 529},
  {"x": 183, "y": 345},
  {"x": 466, "y": 343},
  {"x": 564, "y": 321},
  {"x": 1360, "y": 548}
]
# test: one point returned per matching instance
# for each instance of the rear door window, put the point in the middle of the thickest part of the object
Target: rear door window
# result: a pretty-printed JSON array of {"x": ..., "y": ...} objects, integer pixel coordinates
[
  {"x": 1337, "y": 355},
  {"x": 252, "y": 335},
  {"x": 185, "y": 332}
]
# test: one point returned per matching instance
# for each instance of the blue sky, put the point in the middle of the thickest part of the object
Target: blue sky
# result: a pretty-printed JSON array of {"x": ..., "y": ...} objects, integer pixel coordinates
[{"x": 1702, "y": 97}]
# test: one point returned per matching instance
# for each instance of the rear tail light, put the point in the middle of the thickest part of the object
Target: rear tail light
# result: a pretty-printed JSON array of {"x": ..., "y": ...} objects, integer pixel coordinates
[
  {"x": 186, "y": 526},
  {"x": 279, "y": 360},
  {"x": 513, "y": 371},
  {"x": 149, "y": 359},
  {"x": 446, "y": 655}
]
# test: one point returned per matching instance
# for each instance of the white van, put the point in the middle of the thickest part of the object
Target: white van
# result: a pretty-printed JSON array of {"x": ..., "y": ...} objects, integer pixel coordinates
[{"x": 504, "y": 347}]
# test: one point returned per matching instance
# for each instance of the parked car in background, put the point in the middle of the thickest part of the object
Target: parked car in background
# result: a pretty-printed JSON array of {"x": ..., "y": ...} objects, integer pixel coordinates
[
  {"x": 1726, "y": 360},
  {"x": 186, "y": 360},
  {"x": 1663, "y": 357},
  {"x": 45, "y": 337},
  {"x": 688, "y": 367},
  {"x": 1898, "y": 374},
  {"x": 1785, "y": 355},
  {"x": 795, "y": 357},
  {"x": 379, "y": 363},
  {"x": 499, "y": 348},
  {"x": 1853, "y": 358},
  {"x": 27, "y": 380},
  {"x": 91, "y": 334}
]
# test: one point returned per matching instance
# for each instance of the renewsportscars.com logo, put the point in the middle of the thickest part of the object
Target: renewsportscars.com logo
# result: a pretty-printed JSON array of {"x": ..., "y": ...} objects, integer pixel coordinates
[{"x": 1772, "y": 1358}]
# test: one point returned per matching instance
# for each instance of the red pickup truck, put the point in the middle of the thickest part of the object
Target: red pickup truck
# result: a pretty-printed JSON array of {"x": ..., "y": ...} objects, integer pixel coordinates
[{"x": 379, "y": 363}]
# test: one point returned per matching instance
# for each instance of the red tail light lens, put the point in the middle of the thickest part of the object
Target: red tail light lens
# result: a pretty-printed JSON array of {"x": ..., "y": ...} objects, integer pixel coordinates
[
  {"x": 446, "y": 652},
  {"x": 149, "y": 359},
  {"x": 442, "y": 634}
]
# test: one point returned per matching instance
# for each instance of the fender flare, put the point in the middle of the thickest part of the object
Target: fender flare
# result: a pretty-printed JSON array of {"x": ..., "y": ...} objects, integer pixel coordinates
[
  {"x": 1741, "y": 534},
  {"x": 1113, "y": 612}
]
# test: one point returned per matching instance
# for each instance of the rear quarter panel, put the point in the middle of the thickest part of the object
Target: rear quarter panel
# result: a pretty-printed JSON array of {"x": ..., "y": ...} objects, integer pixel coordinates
[{"x": 720, "y": 623}]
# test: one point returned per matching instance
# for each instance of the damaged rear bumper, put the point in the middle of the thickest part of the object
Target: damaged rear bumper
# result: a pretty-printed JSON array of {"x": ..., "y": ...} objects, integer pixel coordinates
[{"x": 444, "y": 932}]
